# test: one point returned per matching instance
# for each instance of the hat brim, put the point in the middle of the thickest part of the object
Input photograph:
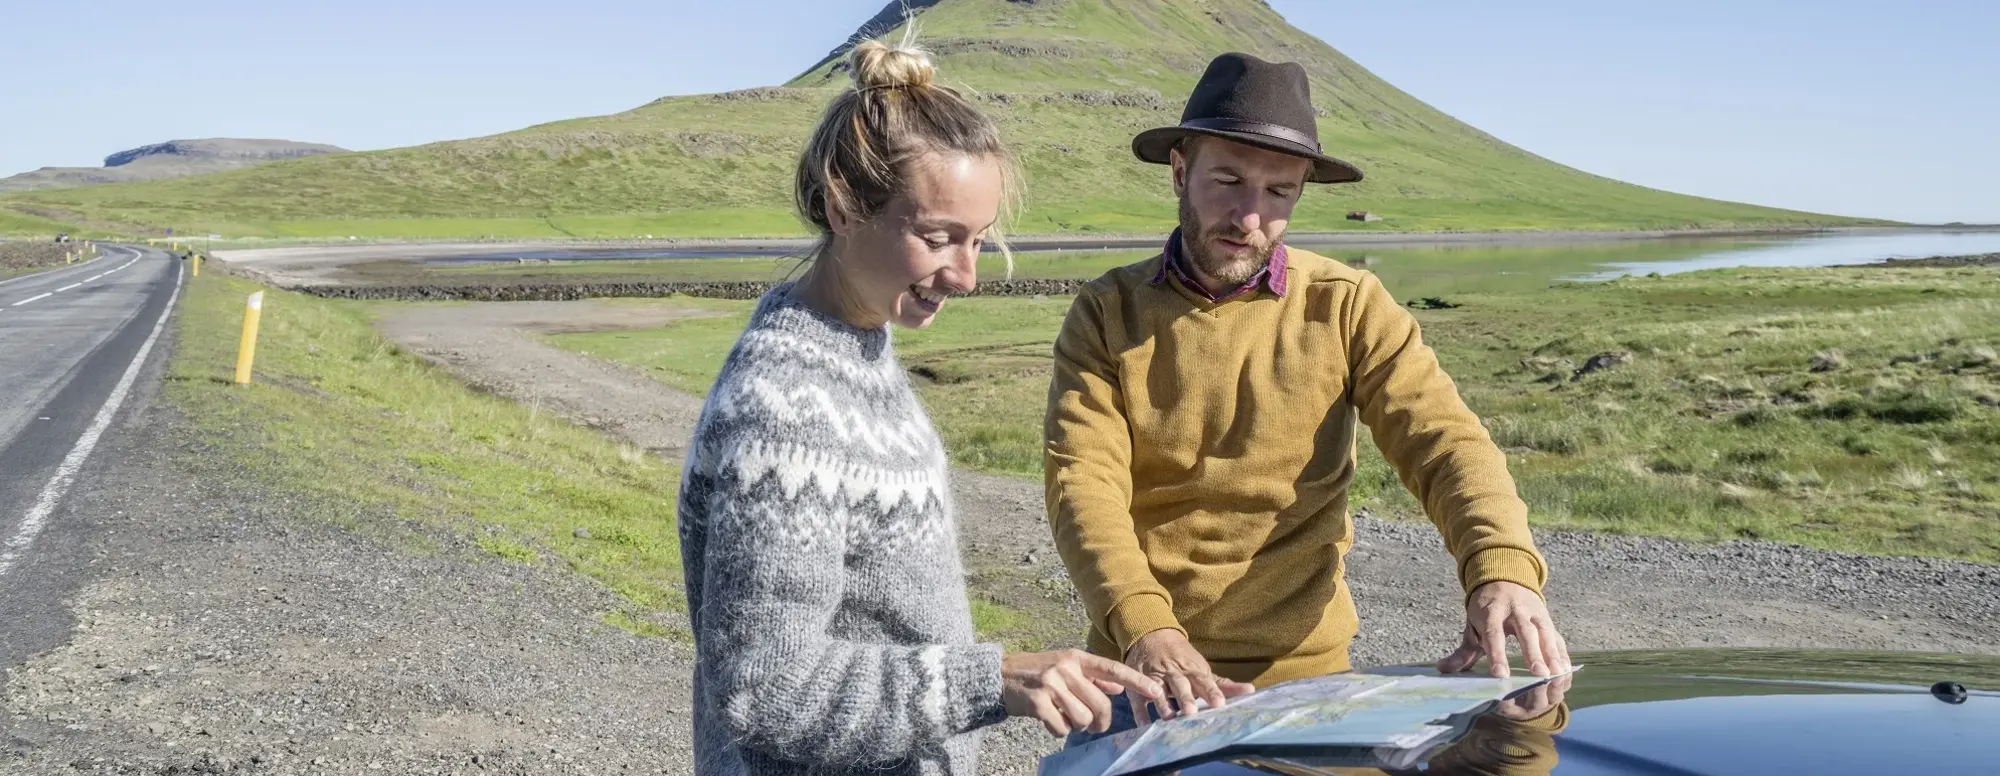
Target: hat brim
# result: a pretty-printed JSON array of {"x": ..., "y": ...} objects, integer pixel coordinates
[{"x": 1157, "y": 145}]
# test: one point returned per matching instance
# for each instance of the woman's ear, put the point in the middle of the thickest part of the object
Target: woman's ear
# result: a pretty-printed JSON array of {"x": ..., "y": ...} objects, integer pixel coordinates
[{"x": 837, "y": 217}]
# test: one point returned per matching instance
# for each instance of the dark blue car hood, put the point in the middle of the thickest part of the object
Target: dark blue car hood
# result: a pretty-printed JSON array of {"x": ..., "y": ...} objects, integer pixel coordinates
[{"x": 1729, "y": 712}]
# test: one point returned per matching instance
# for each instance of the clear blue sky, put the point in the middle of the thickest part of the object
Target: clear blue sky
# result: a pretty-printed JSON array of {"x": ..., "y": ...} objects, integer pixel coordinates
[{"x": 1878, "y": 109}]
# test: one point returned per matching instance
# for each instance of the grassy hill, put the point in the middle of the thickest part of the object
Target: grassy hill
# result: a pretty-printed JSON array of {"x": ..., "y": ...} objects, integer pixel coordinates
[{"x": 1070, "y": 81}]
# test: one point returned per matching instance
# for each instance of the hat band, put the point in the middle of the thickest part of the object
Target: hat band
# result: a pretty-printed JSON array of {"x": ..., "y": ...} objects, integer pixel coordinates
[{"x": 1255, "y": 128}]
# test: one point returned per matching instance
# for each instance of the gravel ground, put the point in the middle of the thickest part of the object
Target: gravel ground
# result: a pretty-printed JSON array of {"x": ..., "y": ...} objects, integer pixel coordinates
[
  {"x": 227, "y": 633},
  {"x": 489, "y": 346}
]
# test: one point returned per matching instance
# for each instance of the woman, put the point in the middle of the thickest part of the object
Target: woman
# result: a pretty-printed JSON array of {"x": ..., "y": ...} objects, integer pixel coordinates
[{"x": 832, "y": 630}]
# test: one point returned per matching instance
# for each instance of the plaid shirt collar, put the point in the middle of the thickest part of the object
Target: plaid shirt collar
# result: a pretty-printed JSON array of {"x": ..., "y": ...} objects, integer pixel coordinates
[{"x": 1270, "y": 277}]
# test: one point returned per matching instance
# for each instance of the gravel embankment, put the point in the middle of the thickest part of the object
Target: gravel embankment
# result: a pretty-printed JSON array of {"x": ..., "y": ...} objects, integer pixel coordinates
[
  {"x": 17, "y": 255},
  {"x": 1972, "y": 260},
  {"x": 562, "y": 292}
]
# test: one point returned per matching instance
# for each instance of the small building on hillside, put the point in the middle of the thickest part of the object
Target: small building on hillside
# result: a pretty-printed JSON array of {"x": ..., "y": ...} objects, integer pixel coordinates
[{"x": 1362, "y": 215}]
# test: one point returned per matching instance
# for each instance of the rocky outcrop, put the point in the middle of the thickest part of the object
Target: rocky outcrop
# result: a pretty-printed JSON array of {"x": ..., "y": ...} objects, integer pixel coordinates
[
  {"x": 890, "y": 17},
  {"x": 223, "y": 149},
  {"x": 172, "y": 159}
]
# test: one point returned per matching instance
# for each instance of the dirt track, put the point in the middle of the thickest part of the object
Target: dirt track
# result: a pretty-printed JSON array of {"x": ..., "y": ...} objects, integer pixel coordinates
[{"x": 1607, "y": 592}]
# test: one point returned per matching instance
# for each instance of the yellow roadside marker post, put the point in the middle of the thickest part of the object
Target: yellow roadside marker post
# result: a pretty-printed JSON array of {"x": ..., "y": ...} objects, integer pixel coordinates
[
  {"x": 247, "y": 352},
  {"x": 197, "y": 264}
]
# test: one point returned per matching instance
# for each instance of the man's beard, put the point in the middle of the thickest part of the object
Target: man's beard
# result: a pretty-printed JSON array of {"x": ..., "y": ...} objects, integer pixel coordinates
[{"x": 1197, "y": 242}]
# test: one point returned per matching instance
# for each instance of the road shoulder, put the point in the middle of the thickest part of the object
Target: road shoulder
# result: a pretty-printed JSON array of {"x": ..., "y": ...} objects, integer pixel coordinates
[{"x": 222, "y": 628}]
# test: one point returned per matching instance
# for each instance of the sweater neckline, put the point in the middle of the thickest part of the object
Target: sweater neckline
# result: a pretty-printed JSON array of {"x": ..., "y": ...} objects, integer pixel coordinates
[
  {"x": 1213, "y": 308},
  {"x": 781, "y": 311}
]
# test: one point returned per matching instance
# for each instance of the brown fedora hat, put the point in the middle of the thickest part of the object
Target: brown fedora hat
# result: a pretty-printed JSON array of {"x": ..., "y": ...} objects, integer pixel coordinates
[{"x": 1253, "y": 102}]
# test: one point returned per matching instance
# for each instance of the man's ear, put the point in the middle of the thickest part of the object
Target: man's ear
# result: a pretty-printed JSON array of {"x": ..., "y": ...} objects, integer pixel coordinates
[{"x": 1180, "y": 164}]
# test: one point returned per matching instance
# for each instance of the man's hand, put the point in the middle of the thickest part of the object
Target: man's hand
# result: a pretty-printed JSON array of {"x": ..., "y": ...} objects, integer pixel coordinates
[
  {"x": 1497, "y": 610},
  {"x": 1166, "y": 655},
  {"x": 1536, "y": 702},
  {"x": 1069, "y": 690}
]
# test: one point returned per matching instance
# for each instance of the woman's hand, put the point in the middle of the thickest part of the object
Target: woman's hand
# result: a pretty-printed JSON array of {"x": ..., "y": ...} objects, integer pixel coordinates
[{"x": 1068, "y": 690}]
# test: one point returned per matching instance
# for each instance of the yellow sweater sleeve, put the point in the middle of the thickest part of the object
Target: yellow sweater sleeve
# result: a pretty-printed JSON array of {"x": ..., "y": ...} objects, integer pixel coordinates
[
  {"x": 1087, "y": 467},
  {"x": 1440, "y": 450}
]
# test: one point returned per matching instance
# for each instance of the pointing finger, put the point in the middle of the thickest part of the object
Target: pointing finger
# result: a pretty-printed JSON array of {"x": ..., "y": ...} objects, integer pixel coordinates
[
  {"x": 1562, "y": 647},
  {"x": 1183, "y": 692},
  {"x": 1494, "y": 639},
  {"x": 1530, "y": 636},
  {"x": 1105, "y": 669},
  {"x": 1209, "y": 690}
]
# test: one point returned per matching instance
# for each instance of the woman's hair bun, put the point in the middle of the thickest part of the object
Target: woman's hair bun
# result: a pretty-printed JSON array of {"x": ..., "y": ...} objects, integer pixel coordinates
[{"x": 878, "y": 65}]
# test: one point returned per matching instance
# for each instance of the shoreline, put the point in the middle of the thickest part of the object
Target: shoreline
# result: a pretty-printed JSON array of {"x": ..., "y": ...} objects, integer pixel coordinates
[{"x": 748, "y": 289}]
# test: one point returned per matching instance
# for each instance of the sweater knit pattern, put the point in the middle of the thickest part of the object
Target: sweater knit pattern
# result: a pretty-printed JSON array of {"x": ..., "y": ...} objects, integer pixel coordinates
[{"x": 832, "y": 631}]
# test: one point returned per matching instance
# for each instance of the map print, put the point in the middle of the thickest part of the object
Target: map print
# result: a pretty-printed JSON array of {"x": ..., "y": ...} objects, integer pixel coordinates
[{"x": 1357, "y": 710}]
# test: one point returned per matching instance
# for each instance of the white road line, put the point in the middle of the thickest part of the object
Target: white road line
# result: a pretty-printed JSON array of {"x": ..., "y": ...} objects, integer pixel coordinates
[
  {"x": 33, "y": 298},
  {"x": 68, "y": 287},
  {"x": 96, "y": 276},
  {"x": 66, "y": 471}
]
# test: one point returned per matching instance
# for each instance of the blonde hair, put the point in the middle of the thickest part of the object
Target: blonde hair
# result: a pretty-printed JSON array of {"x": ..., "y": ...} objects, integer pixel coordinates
[{"x": 860, "y": 155}]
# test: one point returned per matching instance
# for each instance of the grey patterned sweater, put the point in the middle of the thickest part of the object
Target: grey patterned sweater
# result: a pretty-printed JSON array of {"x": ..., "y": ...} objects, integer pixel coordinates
[{"x": 832, "y": 631}]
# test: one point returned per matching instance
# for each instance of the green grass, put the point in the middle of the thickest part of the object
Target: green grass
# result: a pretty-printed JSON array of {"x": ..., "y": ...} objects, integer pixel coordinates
[
  {"x": 720, "y": 165},
  {"x": 342, "y": 421},
  {"x": 1717, "y": 429},
  {"x": 640, "y": 626},
  {"x": 16, "y": 223},
  {"x": 992, "y": 620}
]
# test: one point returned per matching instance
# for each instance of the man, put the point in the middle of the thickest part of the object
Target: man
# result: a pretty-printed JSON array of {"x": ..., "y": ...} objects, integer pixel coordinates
[{"x": 1201, "y": 426}]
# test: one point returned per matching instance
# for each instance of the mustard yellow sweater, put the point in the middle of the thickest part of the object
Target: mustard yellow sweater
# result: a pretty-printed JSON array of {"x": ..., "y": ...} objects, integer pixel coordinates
[{"x": 1198, "y": 456}]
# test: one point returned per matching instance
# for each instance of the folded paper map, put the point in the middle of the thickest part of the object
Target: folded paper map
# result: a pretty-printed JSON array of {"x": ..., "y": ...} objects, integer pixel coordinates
[{"x": 1362, "y": 711}]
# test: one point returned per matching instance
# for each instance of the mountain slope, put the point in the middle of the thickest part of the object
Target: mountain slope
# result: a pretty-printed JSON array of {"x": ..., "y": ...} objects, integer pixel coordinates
[
  {"x": 172, "y": 159},
  {"x": 1070, "y": 81}
]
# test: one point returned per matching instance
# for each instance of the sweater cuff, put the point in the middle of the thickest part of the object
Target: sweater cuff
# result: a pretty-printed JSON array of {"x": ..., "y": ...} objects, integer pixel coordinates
[
  {"x": 972, "y": 681},
  {"x": 1137, "y": 616},
  {"x": 1503, "y": 564},
  {"x": 1554, "y": 720}
]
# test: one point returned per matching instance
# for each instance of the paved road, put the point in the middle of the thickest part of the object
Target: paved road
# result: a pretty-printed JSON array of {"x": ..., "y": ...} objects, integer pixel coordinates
[{"x": 75, "y": 345}]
